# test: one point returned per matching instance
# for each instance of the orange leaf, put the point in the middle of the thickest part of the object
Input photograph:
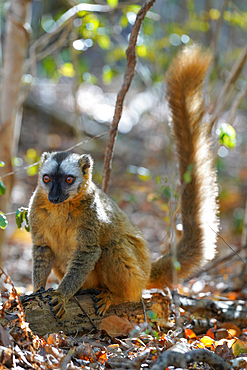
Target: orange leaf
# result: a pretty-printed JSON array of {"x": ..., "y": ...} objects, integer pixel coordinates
[
  {"x": 211, "y": 333},
  {"x": 101, "y": 357},
  {"x": 232, "y": 295},
  {"x": 208, "y": 342},
  {"x": 189, "y": 334},
  {"x": 52, "y": 339}
]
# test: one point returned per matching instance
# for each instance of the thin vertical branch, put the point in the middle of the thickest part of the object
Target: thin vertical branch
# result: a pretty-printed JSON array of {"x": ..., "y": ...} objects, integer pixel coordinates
[
  {"x": 228, "y": 87},
  {"x": 129, "y": 73},
  {"x": 236, "y": 103},
  {"x": 216, "y": 32}
]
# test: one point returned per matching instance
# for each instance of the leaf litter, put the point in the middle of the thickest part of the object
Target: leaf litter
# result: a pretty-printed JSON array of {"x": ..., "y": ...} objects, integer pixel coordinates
[{"x": 144, "y": 347}]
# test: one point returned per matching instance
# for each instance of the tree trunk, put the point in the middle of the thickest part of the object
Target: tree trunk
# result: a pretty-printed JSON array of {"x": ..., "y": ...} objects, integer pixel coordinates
[{"x": 15, "y": 48}]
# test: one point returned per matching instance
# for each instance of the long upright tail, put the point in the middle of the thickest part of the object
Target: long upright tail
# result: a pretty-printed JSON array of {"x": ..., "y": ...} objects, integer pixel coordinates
[{"x": 198, "y": 198}]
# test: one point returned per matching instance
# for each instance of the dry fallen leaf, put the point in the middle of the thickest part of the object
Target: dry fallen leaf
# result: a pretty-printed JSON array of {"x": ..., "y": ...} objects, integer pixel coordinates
[{"x": 116, "y": 326}]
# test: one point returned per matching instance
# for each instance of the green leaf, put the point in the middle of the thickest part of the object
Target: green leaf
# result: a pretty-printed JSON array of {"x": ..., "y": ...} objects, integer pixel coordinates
[
  {"x": 112, "y": 3},
  {"x": 3, "y": 221},
  {"x": 107, "y": 75},
  {"x": 167, "y": 192},
  {"x": 141, "y": 50},
  {"x": 152, "y": 315},
  {"x": 227, "y": 135},
  {"x": 19, "y": 218},
  {"x": 104, "y": 42},
  {"x": 156, "y": 336},
  {"x": 22, "y": 215},
  {"x": 2, "y": 164},
  {"x": 2, "y": 188},
  {"x": 67, "y": 70},
  {"x": 158, "y": 179}
]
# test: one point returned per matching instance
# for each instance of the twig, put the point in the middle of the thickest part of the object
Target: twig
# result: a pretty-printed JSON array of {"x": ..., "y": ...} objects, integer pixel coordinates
[
  {"x": 43, "y": 41},
  {"x": 85, "y": 313},
  {"x": 244, "y": 233},
  {"x": 65, "y": 21},
  {"x": 217, "y": 262},
  {"x": 73, "y": 12},
  {"x": 228, "y": 87},
  {"x": 221, "y": 237},
  {"x": 67, "y": 150},
  {"x": 86, "y": 141},
  {"x": 240, "y": 96},
  {"x": 129, "y": 73},
  {"x": 144, "y": 310},
  {"x": 219, "y": 23}
]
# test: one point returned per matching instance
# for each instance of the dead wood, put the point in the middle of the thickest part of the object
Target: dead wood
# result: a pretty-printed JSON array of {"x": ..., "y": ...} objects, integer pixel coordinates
[
  {"x": 205, "y": 311},
  {"x": 181, "y": 360},
  {"x": 82, "y": 318}
]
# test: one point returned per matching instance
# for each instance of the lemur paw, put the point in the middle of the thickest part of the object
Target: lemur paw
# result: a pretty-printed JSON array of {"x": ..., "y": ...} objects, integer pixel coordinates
[
  {"x": 57, "y": 302},
  {"x": 102, "y": 302}
]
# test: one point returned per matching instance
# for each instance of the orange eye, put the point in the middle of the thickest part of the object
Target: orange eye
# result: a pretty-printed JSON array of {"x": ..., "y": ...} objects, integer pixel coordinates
[
  {"x": 46, "y": 178},
  {"x": 69, "y": 179}
]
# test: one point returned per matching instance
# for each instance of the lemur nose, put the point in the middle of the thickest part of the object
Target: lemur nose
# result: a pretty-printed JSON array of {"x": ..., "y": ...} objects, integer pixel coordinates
[{"x": 54, "y": 199}]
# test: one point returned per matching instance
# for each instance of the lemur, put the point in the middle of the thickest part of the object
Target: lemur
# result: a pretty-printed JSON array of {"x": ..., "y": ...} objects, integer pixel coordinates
[{"x": 89, "y": 242}]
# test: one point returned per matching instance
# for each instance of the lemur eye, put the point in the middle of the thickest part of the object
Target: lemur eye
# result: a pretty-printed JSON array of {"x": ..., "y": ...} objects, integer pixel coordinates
[
  {"x": 46, "y": 178},
  {"x": 69, "y": 179}
]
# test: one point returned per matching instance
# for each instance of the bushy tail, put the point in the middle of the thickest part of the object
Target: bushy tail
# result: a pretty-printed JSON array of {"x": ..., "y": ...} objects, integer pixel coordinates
[{"x": 198, "y": 197}]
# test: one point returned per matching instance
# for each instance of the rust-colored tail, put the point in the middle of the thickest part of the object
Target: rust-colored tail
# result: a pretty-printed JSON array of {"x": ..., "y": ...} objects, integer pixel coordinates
[{"x": 198, "y": 197}]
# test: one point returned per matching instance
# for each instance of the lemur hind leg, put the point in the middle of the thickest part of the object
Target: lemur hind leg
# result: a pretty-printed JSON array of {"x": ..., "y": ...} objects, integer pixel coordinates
[{"x": 122, "y": 275}]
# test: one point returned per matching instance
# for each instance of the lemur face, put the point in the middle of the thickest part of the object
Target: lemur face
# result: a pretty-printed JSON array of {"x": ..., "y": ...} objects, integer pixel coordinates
[{"x": 62, "y": 174}]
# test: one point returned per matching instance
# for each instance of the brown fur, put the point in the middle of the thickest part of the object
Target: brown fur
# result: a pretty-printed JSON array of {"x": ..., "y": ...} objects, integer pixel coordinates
[
  {"x": 198, "y": 198},
  {"x": 90, "y": 243}
]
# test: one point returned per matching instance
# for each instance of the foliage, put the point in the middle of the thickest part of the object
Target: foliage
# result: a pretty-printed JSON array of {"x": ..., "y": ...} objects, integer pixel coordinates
[
  {"x": 227, "y": 135},
  {"x": 2, "y": 188},
  {"x": 22, "y": 216},
  {"x": 3, "y": 221}
]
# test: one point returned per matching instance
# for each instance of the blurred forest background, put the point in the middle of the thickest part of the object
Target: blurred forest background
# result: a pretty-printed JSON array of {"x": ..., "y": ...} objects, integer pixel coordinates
[{"x": 73, "y": 67}]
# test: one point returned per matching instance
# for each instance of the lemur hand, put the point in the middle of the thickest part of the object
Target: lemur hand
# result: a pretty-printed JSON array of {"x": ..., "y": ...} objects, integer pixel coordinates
[
  {"x": 102, "y": 302},
  {"x": 57, "y": 303}
]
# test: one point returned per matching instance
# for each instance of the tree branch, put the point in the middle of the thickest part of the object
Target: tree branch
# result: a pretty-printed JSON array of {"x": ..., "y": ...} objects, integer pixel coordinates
[
  {"x": 129, "y": 73},
  {"x": 172, "y": 358},
  {"x": 228, "y": 87}
]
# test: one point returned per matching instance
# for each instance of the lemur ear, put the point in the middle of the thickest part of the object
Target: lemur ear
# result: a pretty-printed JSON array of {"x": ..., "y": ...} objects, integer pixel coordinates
[
  {"x": 44, "y": 157},
  {"x": 86, "y": 161}
]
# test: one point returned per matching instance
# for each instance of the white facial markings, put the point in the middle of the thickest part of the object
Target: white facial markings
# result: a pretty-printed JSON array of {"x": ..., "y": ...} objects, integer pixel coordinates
[
  {"x": 49, "y": 166},
  {"x": 70, "y": 165}
]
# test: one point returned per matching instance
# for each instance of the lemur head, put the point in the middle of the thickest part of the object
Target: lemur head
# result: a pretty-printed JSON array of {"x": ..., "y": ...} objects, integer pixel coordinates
[{"x": 62, "y": 175}]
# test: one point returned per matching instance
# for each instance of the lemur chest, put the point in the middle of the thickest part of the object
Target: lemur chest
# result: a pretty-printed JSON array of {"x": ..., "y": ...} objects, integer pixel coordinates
[{"x": 60, "y": 235}]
